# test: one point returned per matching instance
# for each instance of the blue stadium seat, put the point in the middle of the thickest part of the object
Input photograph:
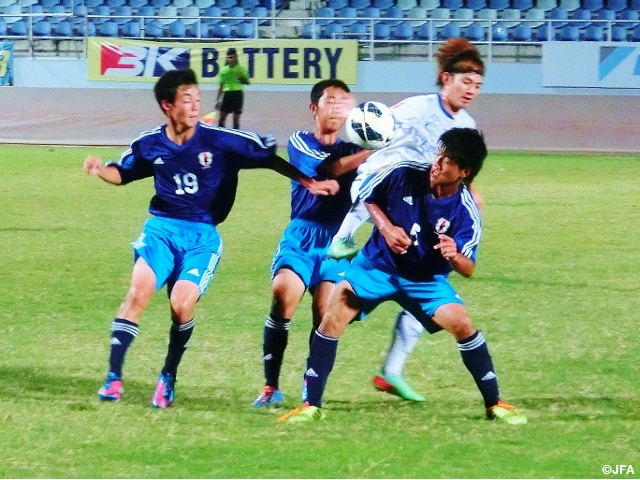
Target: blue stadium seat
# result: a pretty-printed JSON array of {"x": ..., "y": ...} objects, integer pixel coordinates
[
  {"x": 108, "y": 29},
  {"x": 543, "y": 33},
  {"x": 114, "y": 3},
  {"x": 154, "y": 29},
  {"x": 569, "y": 33},
  {"x": 381, "y": 31},
  {"x": 403, "y": 31},
  {"x": 499, "y": 4},
  {"x": 463, "y": 17},
  {"x": 450, "y": 30},
  {"x": 510, "y": 17},
  {"x": 204, "y": 4},
  {"x": 606, "y": 14},
  {"x": 333, "y": 30},
  {"x": 522, "y": 5},
  {"x": 358, "y": 31},
  {"x": 535, "y": 17},
  {"x": 634, "y": 4},
  {"x": 136, "y": 4},
  {"x": 181, "y": 3},
  {"x": 167, "y": 14},
  {"x": 406, "y": 5},
  {"x": 418, "y": 16},
  {"x": 235, "y": 11},
  {"x": 125, "y": 12},
  {"x": 522, "y": 33},
  {"x": 382, "y": 4},
  {"x": 221, "y": 30},
  {"x": 559, "y": 17},
  {"x": 189, "y": 14},
  {"x": 64, "y": 28},
  {"x": 476, "y": 4},
  {"x": 261, "y": 13},
  {"x": 393, "y": 15},
  {"x": 244, "y": 30},
  {"x": 594, "y": 33},
  {"x": 547, "y": 5},
  {"x": 48, "y": 3},
  {"x": 583, "y": 15},
  {"x": 441, "y": 16},
  {"x": 429, "y": 4},
  {"x": 310, "y": 30},
  {"x": 451, "y": 4},
  {"x": 475, "y": 32},
  {"x": 132, "y": 29},
  {"x": 593, "y": 5},
  {"x": 499, "y": 33},
  {"x": 348, "y": 15},
  {"x": 213, "y": 11},
  {"x": 102, "y": 14},
  {"x": 425, "y": 32},
  {"x": 200, "y": 29},
  {"x": 619, "y": 34},
  {"x": 338, "y": 4},
  {"x": 158, "y": 4},
  {"x": 270, "y": 3},
  {"x": 570, "y": 5},
  {"x": 630, "y": 17},
  {"x": 18, "y": 28},
  {"x": 360, "y": 4},
  {"x": 324, "y": 15},
  {"x": 487, "y": 14},
  {"x": 177, "y": 29},
  {"x": 41, "y": 28},
  {"x": 615, "y": 5},
  {"x": 634, "y": 36}
]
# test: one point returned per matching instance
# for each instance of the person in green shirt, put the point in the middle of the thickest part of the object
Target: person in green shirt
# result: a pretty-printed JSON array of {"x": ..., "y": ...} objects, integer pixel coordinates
[{"x": 233, "y": 77}]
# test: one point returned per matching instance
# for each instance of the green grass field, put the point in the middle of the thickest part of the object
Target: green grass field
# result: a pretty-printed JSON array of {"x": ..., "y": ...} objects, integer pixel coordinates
[{"x": 555, "y": 293}]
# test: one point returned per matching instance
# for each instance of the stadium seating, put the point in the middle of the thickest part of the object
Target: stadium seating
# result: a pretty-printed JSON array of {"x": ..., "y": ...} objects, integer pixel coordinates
[
  {"x": 154, "y": 29},
  {"x": 487, "y": 14},
  {"x": 618, "y": 34},
  {"x": 204, "y": 4},
  {"x": 510, "y": 17},
  {"x": 499, "y": 4},
  {"x": 546, "y": 5},
  {"x": 425, "y": 32},
  {"x": 535, "y": 17},
  {"x": 108, "y": 28},
  {"x": 429, "y": 4},
  {"x": 463, "y": 17},
  {"x": 348, "y": 15},
  {"x": 403, "y": 31},
  {"x": 235, "y": 15},
  {"x": 393, "y": 16},
  {"x": 499, "y": 32},
  {"x": 418, "y": 16},
  {"x": 476, "y": 5},
  {"x": 261, "y": 13},
  {"x": 475, "y": 32},
  {"x": 630, "y": 19},
  {"x": 569, "y": 5},
  {"x": 333, "y": 30},
  {"x": 358, "y": 31},
  {"x": 221, "y": 30},
  {"x": 594, "y": 33},
  {"x": 382, "y": 4},
  {"x": 167, "y": 14},
  {"x": 189, "y": 14},
  {"x": 338, "y": 4},
  {"x": 311, "y": 30},
  {"x": 360, "y": 4},
  {"x": 593, "y": 5},
  {"x": 63, "y": 28},
  {"x": 522, "y": 5},
  {"x": 324, "y": 15},
  {"x": 406, "y": 5},
  {"x": 451, "y": 4},
  {"x": 450, "y": 30},
  {"x": 569, "y": 33},
  {"x": 616, "y": 5},
  {"x": 381, "y": 31},
  {"x": 41, "y": 28},
  {"x": 441, "y": 17},
  {"x": 124, "y": 12},
  {"x": 244, "y": 29},
  {"x": 522, "y": 33},
  {"x": 559, "y": 17},
  {"x": 583, "y": 15},
  {"x": 131, "y": 29}
]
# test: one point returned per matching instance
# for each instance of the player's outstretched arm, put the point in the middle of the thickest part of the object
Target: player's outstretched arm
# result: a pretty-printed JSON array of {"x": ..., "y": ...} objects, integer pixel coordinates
[
  {"x": 396, "y": 238},
  {"x": 94, "y": 166},
  {"x": 346, "y": 164},
  {"x": 317, "y": 187},
  {"x": 449, "y": 250}
]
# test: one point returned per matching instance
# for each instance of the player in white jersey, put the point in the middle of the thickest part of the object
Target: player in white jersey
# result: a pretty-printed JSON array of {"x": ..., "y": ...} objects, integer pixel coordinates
[{"x": 420, "y": 121}]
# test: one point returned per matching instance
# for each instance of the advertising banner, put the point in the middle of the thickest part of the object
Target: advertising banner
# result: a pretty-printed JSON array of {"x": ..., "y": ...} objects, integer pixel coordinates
[
  {"x": 591, "y": 64},
  {"x": 268, "y": 61},
  {"x": 6, "y": 63}
]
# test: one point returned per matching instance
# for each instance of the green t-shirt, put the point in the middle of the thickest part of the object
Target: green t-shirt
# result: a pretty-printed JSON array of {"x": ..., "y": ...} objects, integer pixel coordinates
[{"x": 229, "y": 80}]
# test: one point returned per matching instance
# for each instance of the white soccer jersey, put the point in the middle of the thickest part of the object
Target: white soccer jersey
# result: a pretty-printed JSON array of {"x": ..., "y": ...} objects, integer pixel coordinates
[{"x": 420, "y": 120}]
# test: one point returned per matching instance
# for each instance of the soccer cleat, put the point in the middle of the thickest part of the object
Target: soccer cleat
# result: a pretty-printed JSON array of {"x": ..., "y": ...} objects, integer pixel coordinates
[
  {"x": 165, "y": 389},
  {"x": 506, "y": 413},
  {"x": 305, "y": 413},
  {"x": 396, "y": 385},
  {"x": 112, "y": 389},
  {"x": 270, "y": 397},
  {"x": 344, "y": 247}
]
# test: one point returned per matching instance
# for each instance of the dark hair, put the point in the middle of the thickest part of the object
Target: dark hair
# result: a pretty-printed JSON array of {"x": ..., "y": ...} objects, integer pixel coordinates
[
  {"x": 466, "y": 147},
  {"x": 167, "y": 85},
  {"x": 458, "y": 55},
  {"x": 231, "y": 51},
  {"x": 319, "y": 88}
]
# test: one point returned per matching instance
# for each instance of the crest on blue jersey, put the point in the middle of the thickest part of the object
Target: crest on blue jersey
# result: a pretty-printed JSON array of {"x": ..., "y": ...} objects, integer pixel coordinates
[
  {"x": 205, "y": 159},
  {"x": 442, "y": 225}
]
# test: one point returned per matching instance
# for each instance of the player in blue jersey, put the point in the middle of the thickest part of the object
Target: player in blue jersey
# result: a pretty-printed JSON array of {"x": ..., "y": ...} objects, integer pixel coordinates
[
  {"x": 426, "y": 224},
  {"x": 420, "y": 120},
  {"x": 195, "y": 169},
  {"x": 300, "y": 262}
]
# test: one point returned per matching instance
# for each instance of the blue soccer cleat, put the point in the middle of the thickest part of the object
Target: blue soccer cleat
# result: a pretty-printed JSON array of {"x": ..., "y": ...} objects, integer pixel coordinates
[
  {"x": 165, "y": 390},
  {"x": 112, "y": 389},
  {"x": 270, "y": 397}
]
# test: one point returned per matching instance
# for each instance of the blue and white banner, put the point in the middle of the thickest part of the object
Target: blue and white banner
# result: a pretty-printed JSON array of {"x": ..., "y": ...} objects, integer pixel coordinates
[
  {"x": 6, "y": 63},
  {"x": 591, "y": 64}
]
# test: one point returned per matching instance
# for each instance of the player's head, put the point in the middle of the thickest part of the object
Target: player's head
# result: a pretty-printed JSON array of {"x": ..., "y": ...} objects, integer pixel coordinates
[
  {"x": 166, "y": 88},
  {"x": 232, "y": 57},
  {"x": 466, "y": 148},
  {"x": 318, "y": 89},
  {"x": 458, "y": 55}
]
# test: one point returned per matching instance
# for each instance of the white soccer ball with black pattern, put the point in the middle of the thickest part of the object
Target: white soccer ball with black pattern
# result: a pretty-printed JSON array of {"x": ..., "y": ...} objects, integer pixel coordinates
[{"x": 370, "y": 125}]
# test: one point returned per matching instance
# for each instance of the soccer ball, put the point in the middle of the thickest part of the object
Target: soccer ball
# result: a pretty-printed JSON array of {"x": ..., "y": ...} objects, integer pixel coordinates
[{"x": 370, "y": 125}]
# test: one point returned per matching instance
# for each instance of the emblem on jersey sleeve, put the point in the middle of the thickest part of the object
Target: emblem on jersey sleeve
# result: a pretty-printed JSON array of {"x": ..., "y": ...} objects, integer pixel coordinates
[
  {"x": 205, "y": 159},
  {"x": 442, "y": 225}
]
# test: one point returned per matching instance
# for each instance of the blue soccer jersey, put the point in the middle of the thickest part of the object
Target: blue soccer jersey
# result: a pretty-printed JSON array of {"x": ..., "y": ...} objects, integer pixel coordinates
[
  {"x": 309, "y": 155},
  {"x": 404, "y": 194},
  {"x": 196, "y": 181}
]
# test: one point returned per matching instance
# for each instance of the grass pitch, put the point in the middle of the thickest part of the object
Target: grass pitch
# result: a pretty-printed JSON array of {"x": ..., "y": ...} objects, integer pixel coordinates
[{"x": 555, "y": 293}]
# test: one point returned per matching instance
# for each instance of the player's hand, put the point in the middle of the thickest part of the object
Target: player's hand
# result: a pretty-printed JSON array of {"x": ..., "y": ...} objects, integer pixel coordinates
[
  {"x": 322, "y": 187},
  {"x": 342, "y": 105},
  {"x": 92, "y": 165},
  {"x": 447, "y": 247},
  {"x": 396, "y": 238}
]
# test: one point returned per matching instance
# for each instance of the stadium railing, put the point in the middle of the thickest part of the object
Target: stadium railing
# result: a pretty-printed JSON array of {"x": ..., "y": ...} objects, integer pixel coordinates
[{"x": 380, "y": 38}]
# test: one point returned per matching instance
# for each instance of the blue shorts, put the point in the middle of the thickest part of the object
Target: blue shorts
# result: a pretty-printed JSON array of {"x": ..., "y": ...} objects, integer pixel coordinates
[
  {"x": 179, "y": 250},
  {"x": 373, "y": 286},
  {"x": 303, "y": 249}
]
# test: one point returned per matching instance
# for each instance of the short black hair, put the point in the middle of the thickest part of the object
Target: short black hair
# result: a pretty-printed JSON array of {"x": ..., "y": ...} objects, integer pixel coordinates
[
  {"x": 167, "y": 85},
  {"x": 466, "y": 147},
  {"x": 232, "y": 51},
  {"x": 319, "y": 88}
]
